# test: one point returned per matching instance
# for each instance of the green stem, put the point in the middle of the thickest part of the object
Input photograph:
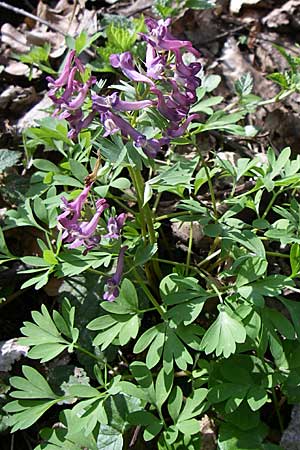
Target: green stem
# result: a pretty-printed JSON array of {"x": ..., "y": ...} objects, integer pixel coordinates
[
  {"x": 146, "y": 214},
  {"x": 278, "y": 255},
  {"x": 91, "y": 355},
  {"x": 267, "y": 210},
  {"x": 209, "y": 182},
  {"x": 209, "y": 257},
  {"x": 171, "y": 215},
  {"x": 189, "y": 252},
  {"x": 277, "y": 410},
  {"x": 152, "y": 299}
]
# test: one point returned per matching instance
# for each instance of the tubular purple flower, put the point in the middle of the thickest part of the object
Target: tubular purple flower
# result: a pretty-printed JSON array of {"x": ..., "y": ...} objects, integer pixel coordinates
[
  {"x": 115, "y": 225},
  {"x": 122, "y": 105},
  {"x": 78, "y": 101},
  {"x": 83, "y": 232},
  {"x": 155, "y": 64},
  {"x": 64, "y": 76},
  {"x": 183, "y": 100},
  {"x": 186, "y": 71},
  {"x": 104, "y": 104},
  {"x": 124, "y": 126},
  {"x": 178, "y": 131},
  {"x": 72, "y": 210},
  {"x": 163, "y": 39},
  {"x": 124, "y": 61},
  {"x": 167, "y": 108},
  {"x": 111, "y": 290}
]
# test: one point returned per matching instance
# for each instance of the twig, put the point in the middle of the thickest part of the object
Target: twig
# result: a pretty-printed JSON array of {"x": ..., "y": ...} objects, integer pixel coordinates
[
  {"x": 31, "y": 16},
  {"x": 135, "y": 435}
]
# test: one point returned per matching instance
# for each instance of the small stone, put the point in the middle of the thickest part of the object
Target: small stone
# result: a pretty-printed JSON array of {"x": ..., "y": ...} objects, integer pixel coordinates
[{"x": 291, "y": 437}]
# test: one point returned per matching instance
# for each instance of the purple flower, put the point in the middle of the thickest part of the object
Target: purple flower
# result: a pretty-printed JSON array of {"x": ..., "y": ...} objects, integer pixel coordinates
[
  {"x": 113, "y": 102},
  {"x": 161, "y": 38},
  {"x": 113, "y": 123},
  {"x": 155, "y": 64},
  {"x": 111, "y": 289},
  {"x": 83, "y": 233},
  {"x": 115, "y": 225},
  {"x": 72, "y": 210},
  {"x": 179, "y": 130},
  {"x": 168, "y": 108},
  {"x": 124, "y": 61},
  {"x": 70, "y": 101},
  {"x": 64, "y": 76}
]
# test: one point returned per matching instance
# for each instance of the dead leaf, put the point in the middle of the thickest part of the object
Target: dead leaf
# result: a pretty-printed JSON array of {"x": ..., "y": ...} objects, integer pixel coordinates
[
  {"x": 236, "y": 5},
  {"x": 12, "y": 37},
  {"x": 235, "y": 64},
  {"x": 16, "y": 98},
  {"x": 287, "y": 15},
  {"x": 18, "y": 69},
  {"x": 38, "y": 112}
]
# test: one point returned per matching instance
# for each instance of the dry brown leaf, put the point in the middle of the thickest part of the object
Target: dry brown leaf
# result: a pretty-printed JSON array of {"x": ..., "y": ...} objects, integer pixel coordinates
[
  {"x": 236, "y": 5},
  {"x": 285, "y": 16},
  {"x": 12, "y": 37},
  {"x": 39, "y": 111},
  {"x": 18, "y": 69}
]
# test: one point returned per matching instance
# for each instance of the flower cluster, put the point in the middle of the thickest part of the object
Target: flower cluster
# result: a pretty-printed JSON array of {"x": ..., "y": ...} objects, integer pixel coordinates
[
  {"x": 77, "y": 232},
  {"x": 171, "y": 89},
  {"x": 172, "y": 83},
  {"x": 68, "y": 93}
]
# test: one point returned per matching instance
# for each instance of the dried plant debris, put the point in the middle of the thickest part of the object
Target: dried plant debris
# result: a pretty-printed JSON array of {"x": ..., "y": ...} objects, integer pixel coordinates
[{"x": 10, "y": 352}]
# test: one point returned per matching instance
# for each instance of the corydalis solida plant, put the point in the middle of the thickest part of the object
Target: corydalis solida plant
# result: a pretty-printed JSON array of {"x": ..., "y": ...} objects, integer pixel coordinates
[{"x": 170, "y": 89}]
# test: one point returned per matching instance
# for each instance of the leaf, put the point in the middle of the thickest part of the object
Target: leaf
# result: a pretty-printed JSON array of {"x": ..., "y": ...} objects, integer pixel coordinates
[
  {"x": 27, "y": 412},
  {"x": 231, "y": 438},
  {"x": 257, "y": 397},
  {"x": 194, "y": 405},
  {"x": 294, "y": 310},
  {"x": 45, "y": 337},
  {"x": 200, "y": 4},
  {"x": 153, "y": 424},
  {"x": 163, "y": 386},
  {"x": 244, "y": 85},
  {"x": 109, "y": 438},
  {"x": 175, "y": 402},
  {"x": 33, "y": 385},
  {"x": 144, "y": 253},
  {"x": 223, "y": 335}
]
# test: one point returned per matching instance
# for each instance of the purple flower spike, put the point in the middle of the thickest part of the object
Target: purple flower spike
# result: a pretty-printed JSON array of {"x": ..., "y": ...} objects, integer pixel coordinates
[
  {"x": 112, "y": 285},
  {"x": 124, "y": 61},
  {"x": 115, "y": 225}
]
